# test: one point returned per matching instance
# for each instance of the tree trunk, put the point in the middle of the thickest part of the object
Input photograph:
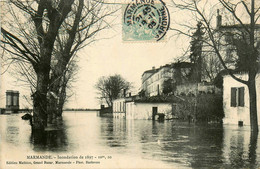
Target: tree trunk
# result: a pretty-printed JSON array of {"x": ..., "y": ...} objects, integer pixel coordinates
[
  {"x": 58, "y": 86},
  {"x": 253, "y": 104},
  {"x": 252, "y": 149},
  {"x": 40, "y": 102},
  {"x": 52, "y": 107},
  {"x": 62, "y": 98}
]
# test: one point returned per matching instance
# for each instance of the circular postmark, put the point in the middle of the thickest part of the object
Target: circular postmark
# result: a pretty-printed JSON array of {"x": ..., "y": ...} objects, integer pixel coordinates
[{"x": 146, "y": 20}]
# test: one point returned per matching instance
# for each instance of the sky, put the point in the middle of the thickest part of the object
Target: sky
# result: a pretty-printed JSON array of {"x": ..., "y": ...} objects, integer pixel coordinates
[{"x": 108, "y": 56}]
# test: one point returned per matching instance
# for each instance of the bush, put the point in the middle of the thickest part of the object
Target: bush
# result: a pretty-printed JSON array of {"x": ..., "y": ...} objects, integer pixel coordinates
[{"x": 204, "y": 107}]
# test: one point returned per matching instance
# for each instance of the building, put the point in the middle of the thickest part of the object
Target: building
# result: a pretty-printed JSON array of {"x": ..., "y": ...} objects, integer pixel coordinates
[
  {"x": 119, "y": 107},
  {"x": 152, "y": 80},
  {"x": 147, "y": 110},
  {"x": 236, "y": 100},
  {"x": 12, "y": 101},
  {"x": 136, "y": 108},
  {"x": 233, "y": 40}
]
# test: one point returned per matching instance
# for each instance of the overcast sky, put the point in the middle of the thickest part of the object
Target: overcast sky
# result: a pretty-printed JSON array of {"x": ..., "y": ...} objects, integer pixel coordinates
[{"x": 109, "y": 56}]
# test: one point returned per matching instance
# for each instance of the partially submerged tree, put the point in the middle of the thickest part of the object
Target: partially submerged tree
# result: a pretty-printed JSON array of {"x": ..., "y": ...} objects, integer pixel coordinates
[
  {"x": 46, "y": 36},
  {"x": 244, "y": 29},
  {"x": 196, "y": 52},
  {"x": 110, "y": 87}
]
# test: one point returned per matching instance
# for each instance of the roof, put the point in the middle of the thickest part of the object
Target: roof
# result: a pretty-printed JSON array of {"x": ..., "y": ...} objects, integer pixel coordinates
[
  {"x": 173, "y": 65},
  {"x": 151, "y": 71},
  {"x": 156, "y": 70},
  {"x": 218, "y": 81},
  {"x": 237, "y": 26},
  {"x": 182, "y": 65}
]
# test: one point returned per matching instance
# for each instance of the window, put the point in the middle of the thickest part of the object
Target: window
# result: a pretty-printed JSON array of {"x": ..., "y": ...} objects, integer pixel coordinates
[{"x": 237, "y": 97}]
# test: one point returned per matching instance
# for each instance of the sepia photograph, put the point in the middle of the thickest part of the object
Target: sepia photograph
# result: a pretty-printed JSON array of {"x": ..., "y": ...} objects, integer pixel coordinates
[{"x": 129, "y": 84}]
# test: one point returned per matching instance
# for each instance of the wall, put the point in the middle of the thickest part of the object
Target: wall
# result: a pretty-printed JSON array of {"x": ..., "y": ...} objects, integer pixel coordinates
[
  {"x": 144, "y": 110},
  {"x": 157, "y": 79},
  {"x": 151, "y": 81},
  {"x": 235, "y": 114},
  {"x": 192, "y": 88},
  {"x": 119, "y": 107}
]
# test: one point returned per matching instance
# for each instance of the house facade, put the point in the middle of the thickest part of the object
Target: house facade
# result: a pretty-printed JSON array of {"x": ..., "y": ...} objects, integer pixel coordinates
[
  {"x": 135, "y": 108},
  {"x": 236, "y": 100},
  {"x": 119, "y": 107},
  {"x": 147, "y": 111},
  {"x": 152, "y": 80}
]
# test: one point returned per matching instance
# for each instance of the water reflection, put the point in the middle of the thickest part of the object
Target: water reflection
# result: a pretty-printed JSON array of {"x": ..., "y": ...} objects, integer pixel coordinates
[
  {"x": 252, "y": 149},
  {"x": 171, "y": 142},
  {"x": 241, "y": 147},
  {"x": 114, "y": 133},
  {"x": 55, "y": 140}
]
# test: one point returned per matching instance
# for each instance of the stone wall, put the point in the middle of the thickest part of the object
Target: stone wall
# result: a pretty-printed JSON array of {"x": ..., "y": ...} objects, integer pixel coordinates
[{"x": 194, "y": 88}]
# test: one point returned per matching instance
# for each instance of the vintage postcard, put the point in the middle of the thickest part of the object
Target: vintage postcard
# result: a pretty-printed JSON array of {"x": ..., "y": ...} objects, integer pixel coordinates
[{"x": 129, "y": 84}]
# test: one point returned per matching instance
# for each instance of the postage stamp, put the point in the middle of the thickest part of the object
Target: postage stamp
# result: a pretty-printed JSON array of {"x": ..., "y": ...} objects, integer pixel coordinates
[{"x": 145, "y": 20}]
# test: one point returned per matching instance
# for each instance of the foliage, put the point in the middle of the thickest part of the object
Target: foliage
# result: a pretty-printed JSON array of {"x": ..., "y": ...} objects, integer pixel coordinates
[
  {"x": 196, "y": 52},
  {"x": 248, "y": 49},
  {"x": 169, "y": 86},
  {"x": 110, "y": 87},
  {"x": 204, "y": 108},
  {"x": 43, "y": 36},
  {"x": 141, "y": 94}
]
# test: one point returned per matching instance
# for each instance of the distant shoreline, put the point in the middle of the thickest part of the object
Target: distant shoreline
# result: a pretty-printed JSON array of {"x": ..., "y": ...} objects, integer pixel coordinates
[
  {"x": 81, "y": 109},
  {"x": 30, "y": 110}
]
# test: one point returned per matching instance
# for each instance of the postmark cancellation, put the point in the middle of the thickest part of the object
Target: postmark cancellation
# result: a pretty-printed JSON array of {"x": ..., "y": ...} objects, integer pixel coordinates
[{"x": 145, "y": 20}]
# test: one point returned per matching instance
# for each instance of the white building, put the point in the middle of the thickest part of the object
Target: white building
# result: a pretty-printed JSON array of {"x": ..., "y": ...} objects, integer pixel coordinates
[
  {"x": 119, "y": 107},
  {"x": 132, "y": 108},
  {"x": 236, "y": 100},
  {"x": 147, "y": 111},
  {"x": 152, "y": 80}
]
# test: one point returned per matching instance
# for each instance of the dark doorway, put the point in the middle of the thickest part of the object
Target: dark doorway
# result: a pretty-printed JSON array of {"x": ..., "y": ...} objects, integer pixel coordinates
[{"x": 155, "y": 111}]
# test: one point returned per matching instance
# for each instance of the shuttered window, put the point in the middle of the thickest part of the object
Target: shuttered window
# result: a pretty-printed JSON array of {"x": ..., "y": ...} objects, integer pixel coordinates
[
  {"x": 233, "y": 97},
  {"x": 241, "y": 93},
  {"x": 237, "y": 97}
]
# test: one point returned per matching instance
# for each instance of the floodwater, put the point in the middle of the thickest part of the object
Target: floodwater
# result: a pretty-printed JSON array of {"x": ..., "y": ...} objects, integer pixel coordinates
[{"x": 100, "y": 142}]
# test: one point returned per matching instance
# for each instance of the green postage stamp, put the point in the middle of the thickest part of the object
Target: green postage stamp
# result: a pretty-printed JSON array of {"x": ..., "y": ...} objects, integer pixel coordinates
[{"x": 145, "y": 20}]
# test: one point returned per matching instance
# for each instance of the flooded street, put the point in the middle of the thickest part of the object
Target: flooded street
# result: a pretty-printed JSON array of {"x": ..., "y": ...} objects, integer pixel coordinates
[{"x": 131, "y": 143}]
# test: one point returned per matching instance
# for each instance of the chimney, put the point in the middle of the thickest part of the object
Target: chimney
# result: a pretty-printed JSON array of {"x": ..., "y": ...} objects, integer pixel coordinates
[
  {"x": 153, "y": 67},
  {"x": 124, "y": 94},
  {"x": 219, "y": 19}
]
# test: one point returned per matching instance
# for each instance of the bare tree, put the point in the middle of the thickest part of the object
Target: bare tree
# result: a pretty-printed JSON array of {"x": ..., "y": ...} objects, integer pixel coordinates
[
  {"x": 110, "y": 87},
  {"x": 54, "y": 32},
  {"x": 245, "y": 31}
]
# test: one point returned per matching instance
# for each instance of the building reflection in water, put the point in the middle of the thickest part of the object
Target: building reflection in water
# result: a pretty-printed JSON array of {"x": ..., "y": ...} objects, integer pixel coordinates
[
  {"x": 171, "y": 142},
  {"x": 114, "y": 132},
  {"x": 240, "y": 150},
  {"x": 12, "y": 129},
  {"x": 196, "y": 146}
]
